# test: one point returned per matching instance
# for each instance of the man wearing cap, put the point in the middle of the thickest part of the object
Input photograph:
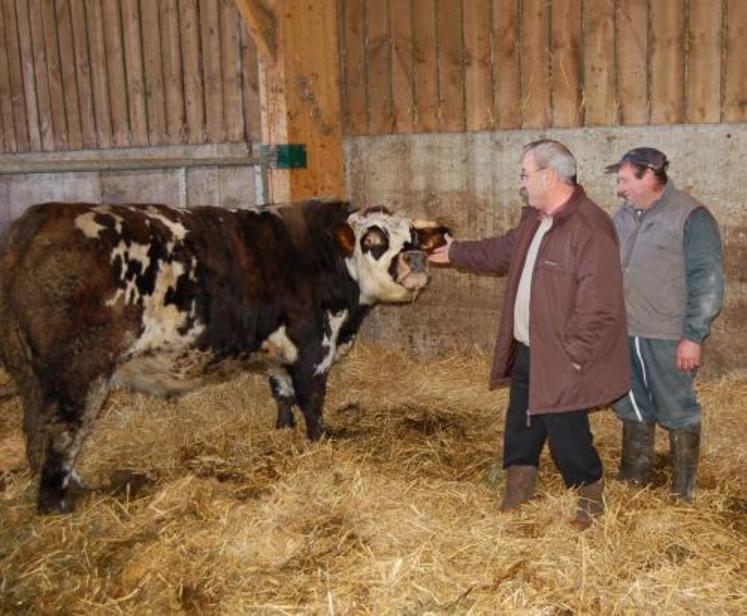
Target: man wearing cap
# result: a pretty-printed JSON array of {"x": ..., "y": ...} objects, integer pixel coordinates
[
  {"x": 670, "y": 249},
  {"x": 562, "y": 338}
]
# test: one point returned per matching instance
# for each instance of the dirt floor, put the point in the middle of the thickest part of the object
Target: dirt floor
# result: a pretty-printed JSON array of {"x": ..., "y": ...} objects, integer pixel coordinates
[{"x": 199, "y": 506}]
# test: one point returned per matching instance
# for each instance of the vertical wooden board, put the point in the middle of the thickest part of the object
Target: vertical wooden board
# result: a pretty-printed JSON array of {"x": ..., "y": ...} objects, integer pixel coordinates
[
  {"x": 450, "y": 65},
  {"x": 46, "y": 125},
  {"x": 230, "y": 20},
  {"x": 632, "y": 61},
  {"x": 567, "y": 68},
  {"x": 115, "y": 66},
  {"x": 600, "y": 100},
  {"x": 155, "y": 99},
  {"x": 378, "y": 60},
  {"x": 354, "y": 68},
  {"x": 54, "y": 75},
  {"x": 478, "y": 77},
  {"x": 507, "y": 77},
  {"x": 535, "y": 64},
  {"x": 311, "y": 80},
  {"x": 194, "y": 101},
  {"x": 83, "y": 73},
  {"x": 134, "y": 72},
  {"x": 99, "y": 79},
  {"x": 172, "y": 71},
  {"x": 28, "y": 76},
  {"x": 68, "y": 71},
  {"x": 703, "y": 86},
  {"x": 211, "y": 71},
  {"x": 667, "y": 61},
  {"x": 6, "y": 105},
  {"x": 426, "y": 66},
  {"x": 735, "y": 62},
  {"x": 13, "y": 50},
  {"x": 403, "y": 101},
  {"x": 250, "y": 88}
]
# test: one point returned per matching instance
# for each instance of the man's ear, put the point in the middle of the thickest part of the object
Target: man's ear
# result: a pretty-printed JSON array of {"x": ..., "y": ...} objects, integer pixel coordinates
[
  {"x": 345, "y": 238},
  {"x": 432, "y": 237}
]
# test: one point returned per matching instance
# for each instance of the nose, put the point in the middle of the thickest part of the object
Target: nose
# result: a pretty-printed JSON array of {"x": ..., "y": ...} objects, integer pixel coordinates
[{"x": 415, "y": 259}]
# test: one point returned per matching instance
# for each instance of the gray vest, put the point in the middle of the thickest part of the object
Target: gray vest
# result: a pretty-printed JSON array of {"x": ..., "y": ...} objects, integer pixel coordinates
[{"x": 653, "y": 261}]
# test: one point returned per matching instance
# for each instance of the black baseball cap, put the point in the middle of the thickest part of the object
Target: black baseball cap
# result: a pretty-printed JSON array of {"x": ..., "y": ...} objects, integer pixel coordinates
[{"x": 647, "y": 157}]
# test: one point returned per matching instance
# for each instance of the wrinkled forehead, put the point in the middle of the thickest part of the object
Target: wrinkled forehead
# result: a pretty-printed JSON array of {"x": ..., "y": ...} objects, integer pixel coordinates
[{"x": 395, "y": 225}]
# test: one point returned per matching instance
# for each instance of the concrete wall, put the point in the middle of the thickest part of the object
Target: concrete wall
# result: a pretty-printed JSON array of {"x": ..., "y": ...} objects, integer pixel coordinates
[
  {"x": 472, "y": 181},
  {"x": 180, "y": 187}
]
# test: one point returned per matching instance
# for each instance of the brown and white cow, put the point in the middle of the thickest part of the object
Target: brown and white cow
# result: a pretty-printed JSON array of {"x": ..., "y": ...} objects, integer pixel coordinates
[{"x": 164, "y": 300}]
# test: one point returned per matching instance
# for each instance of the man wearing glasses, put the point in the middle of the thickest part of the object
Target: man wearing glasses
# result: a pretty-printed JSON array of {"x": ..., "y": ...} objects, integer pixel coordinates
[
  {"x": 562, "y": 336},
  {"x": 670, "y": 250}
]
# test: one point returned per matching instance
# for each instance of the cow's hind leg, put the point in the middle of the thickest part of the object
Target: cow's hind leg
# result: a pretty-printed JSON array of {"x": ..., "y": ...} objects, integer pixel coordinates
[
  {"x": 65, "y": 424},
  {"x": 285, "y": 397}
]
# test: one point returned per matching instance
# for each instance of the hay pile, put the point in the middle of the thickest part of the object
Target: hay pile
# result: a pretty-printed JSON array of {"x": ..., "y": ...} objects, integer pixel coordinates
[{"x": 201, "y": 506}]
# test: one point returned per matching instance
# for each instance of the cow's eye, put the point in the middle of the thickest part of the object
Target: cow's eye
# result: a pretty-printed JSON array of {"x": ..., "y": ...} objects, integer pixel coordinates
[{"x": 375, "y": 241}]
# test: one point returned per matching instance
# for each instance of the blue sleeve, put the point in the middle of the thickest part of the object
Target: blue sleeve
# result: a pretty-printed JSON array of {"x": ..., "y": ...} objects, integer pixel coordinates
[{"x": 705, "y": 273}]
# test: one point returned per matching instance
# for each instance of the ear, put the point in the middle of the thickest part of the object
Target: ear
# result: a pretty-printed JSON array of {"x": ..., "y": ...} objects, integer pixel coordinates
[
  {"x": 345, "y": 238},
  {"x": 432, "y": 237}
]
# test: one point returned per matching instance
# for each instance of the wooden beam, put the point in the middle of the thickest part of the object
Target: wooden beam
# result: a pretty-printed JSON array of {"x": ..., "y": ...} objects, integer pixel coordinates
[
  {"x": 261, "y": 23},
  {"x": 300, "y": 98}
]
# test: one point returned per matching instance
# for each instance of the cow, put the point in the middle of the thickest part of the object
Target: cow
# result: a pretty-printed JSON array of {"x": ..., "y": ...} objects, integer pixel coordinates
[{"x": 164, "y": 300}]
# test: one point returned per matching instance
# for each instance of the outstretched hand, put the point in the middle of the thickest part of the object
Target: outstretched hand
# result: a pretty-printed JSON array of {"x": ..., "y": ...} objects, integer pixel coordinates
[{"x": 441, "y": 254}]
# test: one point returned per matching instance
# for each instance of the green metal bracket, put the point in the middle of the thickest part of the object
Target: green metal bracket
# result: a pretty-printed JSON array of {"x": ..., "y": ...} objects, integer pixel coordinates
[{"x": 283, "y": 156}]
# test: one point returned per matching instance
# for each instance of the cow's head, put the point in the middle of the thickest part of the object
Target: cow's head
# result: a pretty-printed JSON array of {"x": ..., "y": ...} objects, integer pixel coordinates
[{"x": 387, "y": 253}]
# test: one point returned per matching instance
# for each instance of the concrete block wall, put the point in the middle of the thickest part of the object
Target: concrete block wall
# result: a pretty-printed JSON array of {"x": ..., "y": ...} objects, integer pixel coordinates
[
  {"x": 472, "y": 181},
  {"x": 233, "y": 187}
]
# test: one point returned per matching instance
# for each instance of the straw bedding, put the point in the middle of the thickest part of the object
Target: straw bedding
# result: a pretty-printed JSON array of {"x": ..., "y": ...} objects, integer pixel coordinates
[{"x": 200, "y": 506}]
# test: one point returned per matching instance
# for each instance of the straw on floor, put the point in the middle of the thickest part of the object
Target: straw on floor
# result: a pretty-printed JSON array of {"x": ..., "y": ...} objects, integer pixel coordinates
[{"x": 200, "y": 506}]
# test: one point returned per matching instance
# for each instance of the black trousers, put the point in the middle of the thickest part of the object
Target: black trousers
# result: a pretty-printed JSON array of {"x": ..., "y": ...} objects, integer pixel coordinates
[{"x": 568, "y": 433}]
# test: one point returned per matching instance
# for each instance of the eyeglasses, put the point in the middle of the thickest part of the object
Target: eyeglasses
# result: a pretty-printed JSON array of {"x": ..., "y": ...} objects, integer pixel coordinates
[{"x": 524, "y": 175}]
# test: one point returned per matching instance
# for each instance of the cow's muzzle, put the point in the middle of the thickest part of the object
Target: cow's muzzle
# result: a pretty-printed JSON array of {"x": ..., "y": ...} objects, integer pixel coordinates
[{"x": 412, "y": 269}]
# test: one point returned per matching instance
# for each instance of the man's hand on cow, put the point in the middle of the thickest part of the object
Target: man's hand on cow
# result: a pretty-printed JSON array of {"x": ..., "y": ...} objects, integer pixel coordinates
[
  {"x": 688, "y": 355},
  {"x": 441, "y": 254}
]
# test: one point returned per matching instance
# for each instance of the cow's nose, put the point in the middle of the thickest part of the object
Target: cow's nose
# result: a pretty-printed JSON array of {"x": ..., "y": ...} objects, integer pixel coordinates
[{"x": 416, "y": 260}]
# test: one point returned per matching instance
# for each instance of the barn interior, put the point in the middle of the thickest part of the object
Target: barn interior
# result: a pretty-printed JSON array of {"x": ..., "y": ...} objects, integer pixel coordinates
[{"x": 198, "y": 505}]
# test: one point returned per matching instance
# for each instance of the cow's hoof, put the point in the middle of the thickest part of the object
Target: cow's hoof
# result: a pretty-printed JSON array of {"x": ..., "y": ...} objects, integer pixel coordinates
[
  {"x": 316, "y": 432},
  {"x": 285, "y": 423},
  {"x": 50, "y": 503}
]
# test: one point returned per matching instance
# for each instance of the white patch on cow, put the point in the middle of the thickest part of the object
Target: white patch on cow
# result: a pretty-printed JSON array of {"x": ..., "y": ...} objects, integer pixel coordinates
[
  {"x": 92, "y": 229},
  {"x": 372, "y": 275},
  {"x": 178, "y": 230},
  {"x": 329, "y": 342},
  {"x": 127, "y": 254},
  {"x": 172, "y": 371},
  {"x": 87, "y": 223},
  {"x": 162, "y": 322},
  {"x": 279, "y": 347},
  {"x": 283, "y": 383}
]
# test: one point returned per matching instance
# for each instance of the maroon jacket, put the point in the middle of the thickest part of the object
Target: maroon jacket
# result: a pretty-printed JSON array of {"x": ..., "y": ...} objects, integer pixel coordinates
[{"x": 577, "y": 310}]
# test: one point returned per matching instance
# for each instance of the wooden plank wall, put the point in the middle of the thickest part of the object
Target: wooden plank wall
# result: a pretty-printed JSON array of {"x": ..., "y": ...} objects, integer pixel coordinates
[
  {"x": 95, "y": 74},
  {"x": 471, "y": 65}
]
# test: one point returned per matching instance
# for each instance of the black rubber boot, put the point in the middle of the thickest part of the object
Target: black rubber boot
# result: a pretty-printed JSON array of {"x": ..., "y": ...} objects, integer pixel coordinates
[
  {"x": 685, "y": 447},
  {"x": 637, "y": 452},
  {"x": 520, "y": 480}
]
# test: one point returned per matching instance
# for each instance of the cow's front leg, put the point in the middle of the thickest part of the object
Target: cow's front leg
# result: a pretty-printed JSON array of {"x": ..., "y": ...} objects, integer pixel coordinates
[
  {"x": 310, "y": 389},
  {"x": 285, "y": 397}
]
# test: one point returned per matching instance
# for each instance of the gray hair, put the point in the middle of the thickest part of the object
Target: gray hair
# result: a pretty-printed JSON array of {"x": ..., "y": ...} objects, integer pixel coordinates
[{"x": 551, "y": 154}]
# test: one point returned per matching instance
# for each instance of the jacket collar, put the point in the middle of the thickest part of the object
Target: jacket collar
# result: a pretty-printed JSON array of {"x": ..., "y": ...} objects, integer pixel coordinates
[{"x": 565, "y": 210}]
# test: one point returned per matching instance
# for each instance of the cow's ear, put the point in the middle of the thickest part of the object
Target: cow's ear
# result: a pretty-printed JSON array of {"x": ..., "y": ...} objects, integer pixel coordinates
[
  {"x": 345, "y": 238},
  {"x": 432, "y": 237}
]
